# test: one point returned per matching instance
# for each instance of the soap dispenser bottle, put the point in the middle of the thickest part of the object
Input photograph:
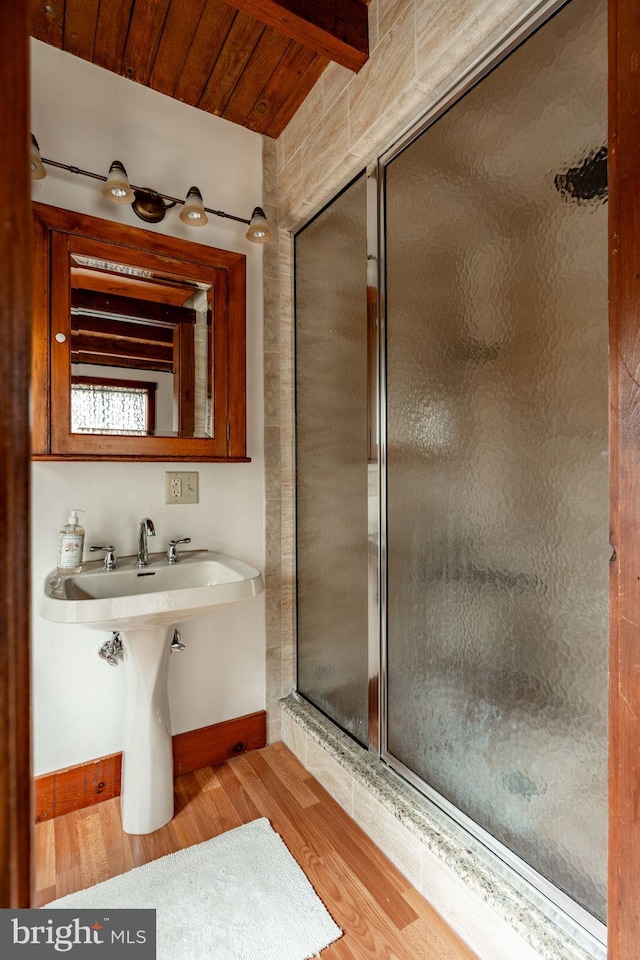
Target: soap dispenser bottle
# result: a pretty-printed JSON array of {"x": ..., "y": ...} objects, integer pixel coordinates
[{"x": 71, "y": 545}]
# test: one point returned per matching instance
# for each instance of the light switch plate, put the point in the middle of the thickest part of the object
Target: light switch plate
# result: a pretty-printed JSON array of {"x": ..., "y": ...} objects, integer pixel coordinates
[{"x": 181, "y": 486}]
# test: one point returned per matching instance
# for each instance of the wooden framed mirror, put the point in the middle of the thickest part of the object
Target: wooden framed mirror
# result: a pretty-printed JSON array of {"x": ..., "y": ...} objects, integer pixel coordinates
[{"x": 138, "y": 345}]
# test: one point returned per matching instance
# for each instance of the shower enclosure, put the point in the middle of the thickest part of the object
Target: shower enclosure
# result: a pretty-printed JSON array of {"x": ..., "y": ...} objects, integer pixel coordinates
[{"x": 471, "y": 653}]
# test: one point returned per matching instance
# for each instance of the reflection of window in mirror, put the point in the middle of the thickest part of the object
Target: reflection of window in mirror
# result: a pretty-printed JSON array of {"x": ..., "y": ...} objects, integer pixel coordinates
[
  {"x": 121, "y": 407},
  {"x": 129, "y": 322}
]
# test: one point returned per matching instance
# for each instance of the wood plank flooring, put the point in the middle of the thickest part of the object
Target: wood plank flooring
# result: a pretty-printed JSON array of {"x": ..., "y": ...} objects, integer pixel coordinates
[{"x": 381, "y": 914}]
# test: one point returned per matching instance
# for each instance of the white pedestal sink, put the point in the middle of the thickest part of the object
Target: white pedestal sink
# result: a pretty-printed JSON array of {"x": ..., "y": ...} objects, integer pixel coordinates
[
  {"x": 143, "y": 606},
  {"x": 146, "y": 798}
]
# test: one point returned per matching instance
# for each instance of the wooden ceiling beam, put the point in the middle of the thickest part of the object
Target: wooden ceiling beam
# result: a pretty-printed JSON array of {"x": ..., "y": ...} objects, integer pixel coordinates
[{"x": 337, "y": 29}]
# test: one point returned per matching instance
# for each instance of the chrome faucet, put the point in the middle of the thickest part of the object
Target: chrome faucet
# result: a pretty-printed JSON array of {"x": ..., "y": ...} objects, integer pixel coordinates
[{"x": 146, "y": 527}]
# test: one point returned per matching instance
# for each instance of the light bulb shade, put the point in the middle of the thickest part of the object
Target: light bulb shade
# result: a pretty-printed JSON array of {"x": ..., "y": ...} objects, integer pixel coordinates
[
  {"x": 193, "y": 213},
  {"x": 117, "y": 188},
  {"x": 258, "y": 231},
  {"x": 38, "y": 171}
]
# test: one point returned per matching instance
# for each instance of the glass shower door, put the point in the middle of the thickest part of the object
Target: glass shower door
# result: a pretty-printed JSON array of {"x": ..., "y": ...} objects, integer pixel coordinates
[
  {"x": 331, "y": 460},
  {"x": 497, "y": 499}
]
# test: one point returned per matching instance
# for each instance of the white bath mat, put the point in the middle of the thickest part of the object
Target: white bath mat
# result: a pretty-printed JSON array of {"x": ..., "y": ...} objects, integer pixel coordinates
[{"x": 240, "y": 896}]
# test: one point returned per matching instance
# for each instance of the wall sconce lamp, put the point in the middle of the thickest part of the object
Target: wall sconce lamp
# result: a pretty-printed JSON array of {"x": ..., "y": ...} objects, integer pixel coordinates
[
  {"x": 117, "y": 188},
  {"x": 149, "y": 205},
  {"x": 38, "y": 172},
  {"x": 192, "y": 212},
  {"x": 258, "y": 230}
]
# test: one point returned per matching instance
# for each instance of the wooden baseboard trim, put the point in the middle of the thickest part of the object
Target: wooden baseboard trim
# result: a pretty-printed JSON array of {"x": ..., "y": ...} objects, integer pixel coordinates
[
  {"x": 209, "y": 746},
  {"x": 63, "y": 791}
]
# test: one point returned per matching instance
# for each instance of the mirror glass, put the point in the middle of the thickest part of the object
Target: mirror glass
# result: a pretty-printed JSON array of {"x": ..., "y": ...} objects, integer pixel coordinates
[{"x": 140, "y": 348}]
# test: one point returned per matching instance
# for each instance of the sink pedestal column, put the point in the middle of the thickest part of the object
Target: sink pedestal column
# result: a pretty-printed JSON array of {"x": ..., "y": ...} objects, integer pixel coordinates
[{"x": 147, "y": 759}]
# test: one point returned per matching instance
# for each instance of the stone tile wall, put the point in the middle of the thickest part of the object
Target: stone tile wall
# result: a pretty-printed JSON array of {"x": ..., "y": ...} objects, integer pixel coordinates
[
  {"x": 418, "y": 48},
  {"x": 279, "y": 450}
]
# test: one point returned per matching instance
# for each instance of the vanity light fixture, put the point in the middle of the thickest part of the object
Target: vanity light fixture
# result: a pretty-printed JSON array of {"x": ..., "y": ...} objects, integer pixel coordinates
[{"x": 148, "y": 204}]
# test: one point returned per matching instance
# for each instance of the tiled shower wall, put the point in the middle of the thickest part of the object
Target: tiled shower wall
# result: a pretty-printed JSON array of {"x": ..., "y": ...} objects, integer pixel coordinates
[
  {"x": 418, "y": 50},
  {"x": 279, "y": 451}
]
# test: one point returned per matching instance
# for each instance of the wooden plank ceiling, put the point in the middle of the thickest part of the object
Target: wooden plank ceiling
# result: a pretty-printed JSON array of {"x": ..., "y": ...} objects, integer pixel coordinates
[{"x": 250, "y": 61}]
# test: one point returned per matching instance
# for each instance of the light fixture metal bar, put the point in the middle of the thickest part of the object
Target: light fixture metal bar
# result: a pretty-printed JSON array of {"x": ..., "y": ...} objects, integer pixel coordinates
[
  {"x": 71, "y": 169},
  {"x": 165, "y": 196}
]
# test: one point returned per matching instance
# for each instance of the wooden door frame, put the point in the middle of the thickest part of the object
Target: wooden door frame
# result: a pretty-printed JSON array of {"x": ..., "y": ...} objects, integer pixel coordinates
[
  {"x": 624, "y": 298},
  {"x": 15, "y": 284},
  {"x": 15, "y": 365}
]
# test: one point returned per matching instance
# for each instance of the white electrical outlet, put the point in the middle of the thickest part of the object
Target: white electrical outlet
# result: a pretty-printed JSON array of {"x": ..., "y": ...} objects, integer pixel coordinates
[{"x": 181, "y": 487}]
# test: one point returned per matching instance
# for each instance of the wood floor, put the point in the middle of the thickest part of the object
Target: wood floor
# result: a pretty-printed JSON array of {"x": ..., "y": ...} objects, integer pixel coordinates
[{"x": 381, "y": 914}]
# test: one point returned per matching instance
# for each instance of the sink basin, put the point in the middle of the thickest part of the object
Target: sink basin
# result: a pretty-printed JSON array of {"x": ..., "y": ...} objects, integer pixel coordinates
[
  {"x": 143, "y": 605},
  {"x": 155, "y": 595}
]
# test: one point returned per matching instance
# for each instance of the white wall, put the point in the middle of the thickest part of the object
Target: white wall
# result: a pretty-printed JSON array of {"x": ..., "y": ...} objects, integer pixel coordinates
[{"x": 86, "y": 116}]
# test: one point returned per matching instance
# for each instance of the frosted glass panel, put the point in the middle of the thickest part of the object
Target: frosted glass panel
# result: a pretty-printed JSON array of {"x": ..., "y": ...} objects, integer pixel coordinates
[
  {"x": 331, "y": 438},
  {"x": 497, "y": 453}
]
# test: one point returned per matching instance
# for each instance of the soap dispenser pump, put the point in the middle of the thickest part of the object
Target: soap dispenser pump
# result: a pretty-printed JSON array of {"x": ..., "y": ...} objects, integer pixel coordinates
[{"x": 71, "y": 545}]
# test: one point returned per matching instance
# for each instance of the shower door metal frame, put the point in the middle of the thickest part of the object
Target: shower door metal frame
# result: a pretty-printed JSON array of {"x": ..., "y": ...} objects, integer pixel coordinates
[
  {"x": 377, "y": 443},
  {"x": 523, "y": 875}
]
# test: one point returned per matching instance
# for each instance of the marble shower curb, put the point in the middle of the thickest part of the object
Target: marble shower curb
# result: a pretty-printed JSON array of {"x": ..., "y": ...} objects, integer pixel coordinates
[{"x": 468, "y": 886}]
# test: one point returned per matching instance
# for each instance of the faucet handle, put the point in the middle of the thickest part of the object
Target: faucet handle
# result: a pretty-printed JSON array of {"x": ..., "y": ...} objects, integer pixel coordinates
[
  {"x": 172, "y": 553},
  {"x": 110, "y": 560}
]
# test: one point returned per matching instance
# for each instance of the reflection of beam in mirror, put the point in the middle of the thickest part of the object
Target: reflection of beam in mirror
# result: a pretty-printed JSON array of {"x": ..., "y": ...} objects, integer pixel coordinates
[{"x": 129, "y": 323}]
